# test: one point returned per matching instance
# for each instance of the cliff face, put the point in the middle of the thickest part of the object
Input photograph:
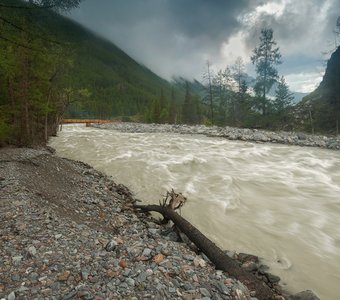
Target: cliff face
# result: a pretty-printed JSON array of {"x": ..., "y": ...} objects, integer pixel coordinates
[
  {"x": 330, "y": 85},
  {"x": 320, "y": 110}
]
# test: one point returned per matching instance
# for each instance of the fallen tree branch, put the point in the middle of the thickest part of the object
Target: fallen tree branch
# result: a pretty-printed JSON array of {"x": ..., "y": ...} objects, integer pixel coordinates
[{"x": 214, "y": 253}]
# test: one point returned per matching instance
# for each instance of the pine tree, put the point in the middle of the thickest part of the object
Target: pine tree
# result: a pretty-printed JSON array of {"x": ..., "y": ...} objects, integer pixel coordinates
[
  {"x": 265, "y": 57},
  {"x": 283, "y": 97}
]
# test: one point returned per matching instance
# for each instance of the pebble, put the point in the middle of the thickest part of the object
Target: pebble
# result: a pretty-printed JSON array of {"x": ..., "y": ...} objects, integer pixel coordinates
[
  {"x": 82, "y": 249},
  {"x": 205, "y": 292},
  {"x": 11, "y": 296},
  {"x": 146, "y": 252},
  {"x": 232, "y": 133},
  {"x": 111, "y": 245},
  {"x": 32, "y": 250}
]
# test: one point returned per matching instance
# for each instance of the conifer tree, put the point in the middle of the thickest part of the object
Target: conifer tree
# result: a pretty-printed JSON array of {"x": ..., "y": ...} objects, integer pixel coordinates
[
  {"x": 283, "y": 97},
  {"x": 266, "y": 56}
]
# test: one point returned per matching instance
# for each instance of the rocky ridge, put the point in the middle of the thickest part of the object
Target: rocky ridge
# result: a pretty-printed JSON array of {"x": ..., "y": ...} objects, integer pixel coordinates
[
  {"x": 68, "y": 231},
  {"x": 232, "y": 133}
]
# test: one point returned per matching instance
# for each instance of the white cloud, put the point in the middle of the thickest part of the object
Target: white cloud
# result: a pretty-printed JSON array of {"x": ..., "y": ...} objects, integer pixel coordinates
[
  {"x": 303, "y": 82},
  {"x": 175, "y": 37},
  {"x": 234, "y": 48}
]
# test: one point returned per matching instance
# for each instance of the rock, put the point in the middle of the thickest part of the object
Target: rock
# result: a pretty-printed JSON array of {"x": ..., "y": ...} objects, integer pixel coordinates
[
  {"x": 189, "y": 257},
  {"x": 32, "y": 250},
  {"x": 244, "y": 257},
  {"x": 33, "y": 276},
  {"x": 17, "y": 259},
  {"x": 46, "y": 292},
  {"x": 15, "y": 277},
  {"x": 146, "y": 252},
  {"x": 111, "y": 245},
  {"x": 64, "y": 276},
  {"x": 304, "y": 295},
  {"x": 130, "y": 281},
  {"x": 70, "y": 295},
  {"x": 187, "y": 286},
  {"x": 272, "y": 278},
  {"x": 126, "y": 272},
  {"x": 221, "y": 287},
  {"x": 199, "y": 262},
  {"x": 250, "y": 266},
  {"x": 205, "y": 292},
  {"x": 158, "y": 258},
  {"x": 263, "y": 269},
  {"x": 122, "y": 264},
  {"x": 142, "y": 277},
  {"x": 85, "y": 275},
  {"x": 11, "y": 296}
]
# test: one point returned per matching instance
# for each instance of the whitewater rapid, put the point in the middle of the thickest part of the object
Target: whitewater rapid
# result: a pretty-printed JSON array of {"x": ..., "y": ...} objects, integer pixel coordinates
[{"x": 278, "y": 202}]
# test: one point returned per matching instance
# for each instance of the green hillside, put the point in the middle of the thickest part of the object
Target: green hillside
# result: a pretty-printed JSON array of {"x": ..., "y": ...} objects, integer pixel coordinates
[
  {"x": 51, "y": 68},
  {"x": 118, "y": 85}
]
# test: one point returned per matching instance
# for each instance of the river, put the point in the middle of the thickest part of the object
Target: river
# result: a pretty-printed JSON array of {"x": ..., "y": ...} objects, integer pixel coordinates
[{"x": 278, "y": 202}]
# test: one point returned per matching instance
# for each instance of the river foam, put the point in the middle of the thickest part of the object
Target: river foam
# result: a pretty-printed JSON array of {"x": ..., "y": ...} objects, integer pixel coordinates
[{"x": 276, "y": 201}]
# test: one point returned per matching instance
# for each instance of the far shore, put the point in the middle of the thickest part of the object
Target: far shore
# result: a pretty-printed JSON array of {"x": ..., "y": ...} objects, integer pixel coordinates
[{"x": 231, "y": 133}]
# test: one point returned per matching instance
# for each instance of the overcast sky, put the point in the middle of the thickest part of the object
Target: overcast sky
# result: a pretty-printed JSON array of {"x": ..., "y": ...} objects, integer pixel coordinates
[{"x": 177, "y": 37}]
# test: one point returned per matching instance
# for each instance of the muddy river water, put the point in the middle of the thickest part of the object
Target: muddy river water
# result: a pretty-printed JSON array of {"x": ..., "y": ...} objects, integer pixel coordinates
[{"x": 279, "y": 202}]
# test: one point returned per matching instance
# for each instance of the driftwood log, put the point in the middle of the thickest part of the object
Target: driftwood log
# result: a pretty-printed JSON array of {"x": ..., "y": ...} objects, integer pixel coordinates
[{"x": 214, "y": 253}]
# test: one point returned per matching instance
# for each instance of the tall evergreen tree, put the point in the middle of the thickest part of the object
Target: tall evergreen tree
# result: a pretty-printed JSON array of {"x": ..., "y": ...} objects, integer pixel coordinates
[
  {"x": 265, "y": 57},
  {"x": 283, "y": 97}
]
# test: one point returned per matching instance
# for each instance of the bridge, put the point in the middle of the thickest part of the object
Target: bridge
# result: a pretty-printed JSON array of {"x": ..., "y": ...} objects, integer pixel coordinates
[
  {"x": 66, "y": 121},
  {"x": 87, "y": 121}
]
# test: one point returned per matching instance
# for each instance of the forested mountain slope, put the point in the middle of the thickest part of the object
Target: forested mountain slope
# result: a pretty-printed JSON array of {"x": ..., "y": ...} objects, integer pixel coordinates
[{"x": 117, "y": 84}]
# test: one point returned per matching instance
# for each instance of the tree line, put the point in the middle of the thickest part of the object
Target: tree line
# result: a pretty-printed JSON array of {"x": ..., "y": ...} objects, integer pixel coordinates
[
  {"x": 231, "y": 100},
  {"x": 41, "y": 82},
  {"x": 33, "y": 93}
]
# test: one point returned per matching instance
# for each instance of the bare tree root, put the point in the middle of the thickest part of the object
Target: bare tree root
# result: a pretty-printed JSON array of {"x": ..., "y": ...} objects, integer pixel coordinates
[{"x": 214, "y": 253}]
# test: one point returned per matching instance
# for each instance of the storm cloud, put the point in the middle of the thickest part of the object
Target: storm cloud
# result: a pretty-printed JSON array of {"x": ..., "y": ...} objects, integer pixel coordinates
[{"x": 177, "y": 37}]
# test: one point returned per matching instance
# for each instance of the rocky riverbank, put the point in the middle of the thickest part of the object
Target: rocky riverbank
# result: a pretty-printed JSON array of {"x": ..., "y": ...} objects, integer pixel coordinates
[
  {"x": 232, "y": 133},
  {"x": 68, "y": 231}
]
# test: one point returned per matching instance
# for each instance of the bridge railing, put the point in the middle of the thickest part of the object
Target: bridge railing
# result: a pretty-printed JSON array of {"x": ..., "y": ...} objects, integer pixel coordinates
[{"x": 65, "y": 121}]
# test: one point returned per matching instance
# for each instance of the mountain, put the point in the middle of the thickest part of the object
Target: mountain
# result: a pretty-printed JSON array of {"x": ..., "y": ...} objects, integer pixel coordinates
[
  {"x": 118, "y": 85},
  {"x": 321, "y": 109},
  {"x": 194, "y": 85}
]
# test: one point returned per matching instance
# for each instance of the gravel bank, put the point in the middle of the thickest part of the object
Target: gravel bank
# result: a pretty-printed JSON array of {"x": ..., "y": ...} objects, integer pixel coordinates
[
  {"x": 232, "y": 133},
  {"x": 69, "y": 232}
]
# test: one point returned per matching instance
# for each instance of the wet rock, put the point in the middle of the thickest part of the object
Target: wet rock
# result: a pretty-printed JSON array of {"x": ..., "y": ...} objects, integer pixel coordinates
[
  {"x": 250, "y": 266},
  {"x": 272, "y": 278},
  {"x": 304, "y": 295},
  {"x": 263, "y": 269}
]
